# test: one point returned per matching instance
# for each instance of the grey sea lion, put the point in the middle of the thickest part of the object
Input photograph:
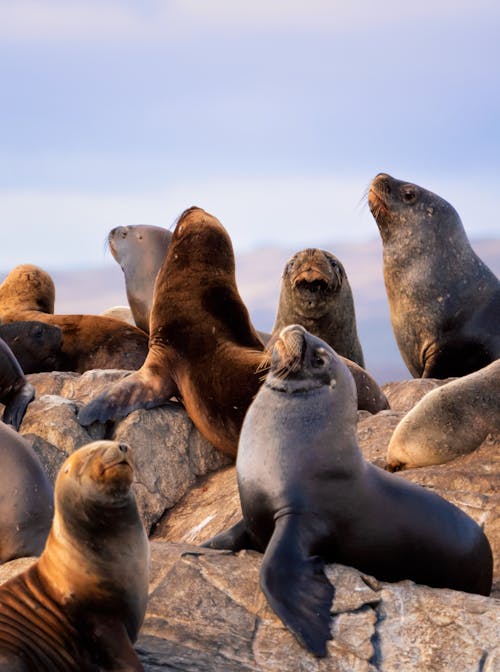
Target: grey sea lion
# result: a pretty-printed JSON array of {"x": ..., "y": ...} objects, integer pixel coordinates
[
  {"x": 26, "y": 498},
  {"x": 315, "y": 293},
  {"x": 15, "y": 391},
  {"x": 80, "y": 606},
  {"x": 203, "y": 346},
  {"x": 309, "y": 497},
  {"x": 444, "y": 301},
  {"x": 140, "y": 251},
  {"x": 447, "y": 422}
]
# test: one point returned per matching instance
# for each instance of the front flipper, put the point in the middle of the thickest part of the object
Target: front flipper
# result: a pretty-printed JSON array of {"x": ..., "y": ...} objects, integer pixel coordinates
[
  {"x": 142, "y": 389},
  {"x": 236, "y": 538},
  {"x": 296, "y": 586},
  {"x": 15, "y": 408}
]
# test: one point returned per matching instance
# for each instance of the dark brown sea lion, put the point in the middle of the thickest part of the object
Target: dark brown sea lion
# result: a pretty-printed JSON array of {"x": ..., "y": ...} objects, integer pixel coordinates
[
  {"x": 15, "y": 391},
  {"x": 26, "y": 498},
  {"x": 444, "y": 301},
  {"x": 450, "y": 421},
  {"x": 140, "y": 250},
  {"x": 315, "y": 293},
  {"x": 88, "y": 341},
  {"x": 202, "y": 344},
  {"x": 36, "y": 345},
  {"x": 308, "y": 497},
  {"x": 80, "y": 606}
]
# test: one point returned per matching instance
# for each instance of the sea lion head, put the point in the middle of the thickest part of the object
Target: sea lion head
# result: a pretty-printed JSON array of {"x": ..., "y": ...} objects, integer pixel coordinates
[
  {"x": 301, "y": 362},
  {"x": 28, "y": 287},
  {"x": 137, "y": 243},
  {"x": 200, "y": 241},
  {"x": 314, "y": 277},
  {"x": 97, "y": 475},
  {"x": 395, "y": 203}
]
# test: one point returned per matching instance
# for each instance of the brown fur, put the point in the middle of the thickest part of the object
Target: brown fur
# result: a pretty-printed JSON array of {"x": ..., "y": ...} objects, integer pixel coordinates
[
  {"x": 203, "y": 346},
  {"x": 88, "y": 341}
]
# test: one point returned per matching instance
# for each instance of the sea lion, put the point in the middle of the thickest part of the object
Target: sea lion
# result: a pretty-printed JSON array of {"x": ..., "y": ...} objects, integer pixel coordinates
[
  {"x": 26, "y": 498},
  {"x": 203, "y": 346},
  {"x": 15, "y": 391},
  {"x": 88, "y": 341},
  {"x": 36, "y": 345},
  {"x": 122, "y": 313},
  {"x": 140, "y": 251},
  {"x": 444, "y": 301},
  {"x": 80, "y": 606},
  {"x": 308, "y": 497},
  {"x": 315, "y": 293},
  {"x": 447, "y": 422}
]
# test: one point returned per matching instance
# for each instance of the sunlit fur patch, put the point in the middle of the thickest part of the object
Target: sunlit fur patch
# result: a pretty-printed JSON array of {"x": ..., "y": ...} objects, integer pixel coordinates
[
  {"x": 377, "y": 204},
  {"x": 288, "y": 352}
]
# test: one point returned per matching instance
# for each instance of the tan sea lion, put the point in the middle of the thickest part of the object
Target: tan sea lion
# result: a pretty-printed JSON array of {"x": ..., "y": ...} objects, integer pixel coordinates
[
  {"x": 308, "y": 497},
  {"x": 26, "y": 498},
  {"x": 202, "y": 344},
  {"x": 315, "y": 293},
  {"x": 444, "y": 301},
  {"x": 447, "y": 422},
  {"x": 88, "y": 341},
  {"x": 80, "y": 606}
]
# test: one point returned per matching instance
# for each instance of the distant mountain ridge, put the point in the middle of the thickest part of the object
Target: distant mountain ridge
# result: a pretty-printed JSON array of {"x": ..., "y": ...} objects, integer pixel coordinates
[{"x": 259, "y": 276}]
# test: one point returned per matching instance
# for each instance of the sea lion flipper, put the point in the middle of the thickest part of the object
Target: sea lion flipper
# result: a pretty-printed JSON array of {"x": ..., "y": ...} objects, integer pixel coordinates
[
  {"x": 235, "y": 538},
  {"x": 296, "y": 586},
  {"x": 17, "y": 404},
  {"x": 141, "y": 389}
]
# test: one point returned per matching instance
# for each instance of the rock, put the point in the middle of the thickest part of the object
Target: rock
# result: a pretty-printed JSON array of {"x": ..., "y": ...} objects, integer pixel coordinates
[
  {"x": 404, "y": 394},
  {"x": 374, "y": 433},
  {"x": 206, "y": 613},
  {"x": 169, "y": 451}
]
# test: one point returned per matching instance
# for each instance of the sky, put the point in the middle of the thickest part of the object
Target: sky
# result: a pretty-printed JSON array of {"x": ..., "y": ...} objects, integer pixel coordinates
[{"x": 272, "y": 115}]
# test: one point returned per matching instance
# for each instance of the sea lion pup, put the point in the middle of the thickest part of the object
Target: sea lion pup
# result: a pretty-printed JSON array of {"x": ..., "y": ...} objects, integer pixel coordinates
[
  {"x": 140, "y": 251},
  {"x": 444, "y": 301},
  {"x": 315, "y": 293},
  {"x": 447, "y": 422},
  {"x": 202, "y": 344},
  {"x": 36, "y": 345},
  {"x": 80, "y": 606},
  {"x": 26, "y": 502},
  {"x": 88, "y": 341},
  {"x": 308, "y": 497},
  {"x": 15, "y": 391}
]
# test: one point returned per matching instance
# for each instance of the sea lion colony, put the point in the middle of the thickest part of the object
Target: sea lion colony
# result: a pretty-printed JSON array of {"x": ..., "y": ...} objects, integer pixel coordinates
[{"x": 204, "y": 351}]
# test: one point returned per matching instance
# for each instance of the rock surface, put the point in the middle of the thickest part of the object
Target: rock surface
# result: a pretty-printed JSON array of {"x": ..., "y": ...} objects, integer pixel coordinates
[{"x": 206, "y": 611}]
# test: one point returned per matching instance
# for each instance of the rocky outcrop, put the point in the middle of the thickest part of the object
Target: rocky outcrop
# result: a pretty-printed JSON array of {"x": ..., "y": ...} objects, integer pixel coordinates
[{"x": 206, "y": 611}]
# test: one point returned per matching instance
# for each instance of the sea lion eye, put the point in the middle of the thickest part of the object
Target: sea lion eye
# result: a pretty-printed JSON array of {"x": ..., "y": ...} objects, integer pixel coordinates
[{"x": 409, "y": 195}]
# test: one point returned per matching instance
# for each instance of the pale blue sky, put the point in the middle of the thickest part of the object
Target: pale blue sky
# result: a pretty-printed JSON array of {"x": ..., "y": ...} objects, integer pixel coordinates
[{"x": 272, "y": 115}]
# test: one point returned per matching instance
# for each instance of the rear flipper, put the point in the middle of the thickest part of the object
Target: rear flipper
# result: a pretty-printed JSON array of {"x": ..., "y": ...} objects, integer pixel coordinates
[
  {"x": 296, "y": 586},
  {"x": 236, "y": 538},
  {"x": 15, "y": 408},
  {"x": 142, "y": 389}
]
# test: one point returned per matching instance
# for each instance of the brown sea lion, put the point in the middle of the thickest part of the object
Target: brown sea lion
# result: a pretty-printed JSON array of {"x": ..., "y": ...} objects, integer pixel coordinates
[
  {"x": 36, "y": 345},
  {"x": 315, "y": 293},
  {"x": 26, "y": 498},
  {"x": 15, "y": 391},
  {"x": 202, "y": 344},
  {"x": 88, "y": 341},
  {"x": 140, "y": 251},
  {"x": 80, "y": 606},
  {"x": 447, "y": 422},
  {"x": 308, "y": 497},
  {"x": 444, "y": 301}
]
